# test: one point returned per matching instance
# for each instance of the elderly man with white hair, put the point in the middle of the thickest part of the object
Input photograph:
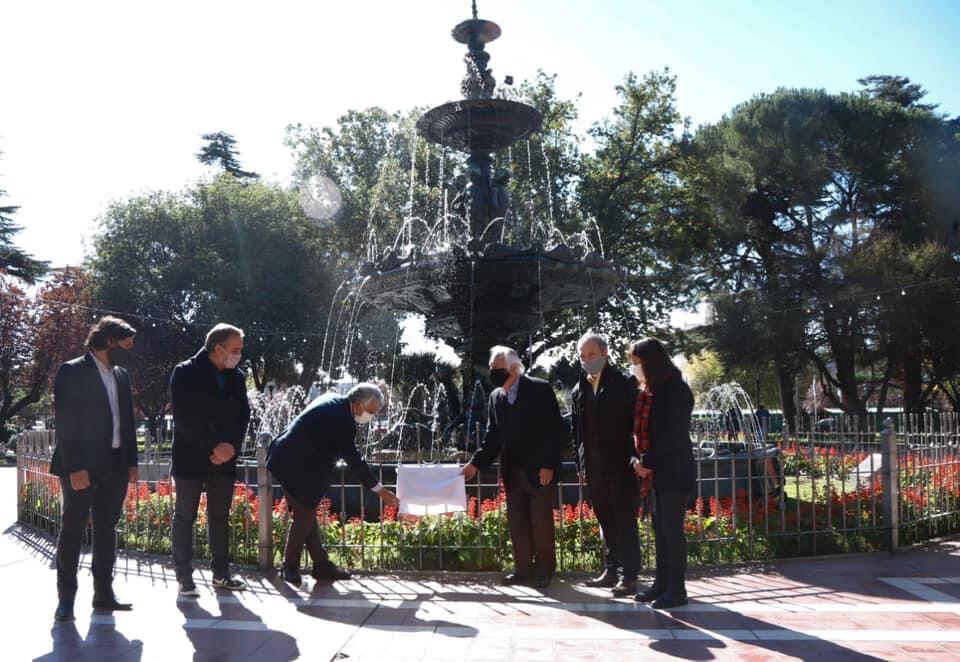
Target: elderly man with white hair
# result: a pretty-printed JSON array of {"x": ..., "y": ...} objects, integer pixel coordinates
[
  {"x": 603, "y": 402},
  {"x": 527, "y": 432},
  {"x": 303, "y": 458}
]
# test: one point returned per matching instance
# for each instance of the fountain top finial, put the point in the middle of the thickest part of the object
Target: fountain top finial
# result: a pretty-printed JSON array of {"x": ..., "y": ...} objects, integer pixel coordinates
[{"x": 476, "y": 31}]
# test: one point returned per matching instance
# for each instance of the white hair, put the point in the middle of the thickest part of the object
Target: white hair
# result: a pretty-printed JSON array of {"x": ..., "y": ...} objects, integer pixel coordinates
[
  {"x": 364, "y": 392},
  {"x": 508, "y": 354},
  {"x": 592, "y": 336}
]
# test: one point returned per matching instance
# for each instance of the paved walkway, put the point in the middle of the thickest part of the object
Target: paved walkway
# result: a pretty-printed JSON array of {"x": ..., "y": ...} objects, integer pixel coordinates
[{"x": 903, "y": 606}]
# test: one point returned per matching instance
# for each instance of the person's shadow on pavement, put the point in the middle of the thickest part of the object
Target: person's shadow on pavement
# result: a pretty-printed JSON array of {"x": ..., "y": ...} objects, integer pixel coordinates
[
  {"x": 248, "y": 634},
  {"x": 102, "y": 641}
]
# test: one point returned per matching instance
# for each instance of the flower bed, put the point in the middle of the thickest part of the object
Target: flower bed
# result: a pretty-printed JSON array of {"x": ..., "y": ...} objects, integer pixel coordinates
[{"x": 720, "y": 530}]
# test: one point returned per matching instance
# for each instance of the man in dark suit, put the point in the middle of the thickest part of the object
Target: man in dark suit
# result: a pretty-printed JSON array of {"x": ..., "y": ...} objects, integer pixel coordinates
[
  {"x": 525, "y": 429},
  {"x": 303, "y": 459},
  {"x": 208, "y": 394},
  {"x": 603, "y": 408},
  {"x": 95, "y": 458}
]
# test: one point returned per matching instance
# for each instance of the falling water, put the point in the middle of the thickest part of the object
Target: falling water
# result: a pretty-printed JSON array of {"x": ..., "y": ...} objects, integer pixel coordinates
[
  {"x": 726, "y": 416},
  {"x": 442, "y": 188},
  {"x": 413, "y": 172},
  {"x": 352, "y": 322},
  {"x": 333, "y": 303},
  {"x": 546, "y": 165},
  {"x": 270, "y": 413},
  {"x": 336, "y": 330}
]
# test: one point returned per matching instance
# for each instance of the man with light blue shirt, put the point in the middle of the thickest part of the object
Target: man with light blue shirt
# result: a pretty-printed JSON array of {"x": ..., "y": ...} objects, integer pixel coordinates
[{"x": 526, "y": 431}]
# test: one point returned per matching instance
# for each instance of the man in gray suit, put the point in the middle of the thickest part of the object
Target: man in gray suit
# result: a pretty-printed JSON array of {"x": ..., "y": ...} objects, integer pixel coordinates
[{"x": 95, "y": 458}]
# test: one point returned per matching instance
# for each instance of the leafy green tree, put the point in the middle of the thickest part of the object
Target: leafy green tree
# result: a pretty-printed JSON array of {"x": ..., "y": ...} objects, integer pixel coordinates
[
  {"x": 221, "y": 150},
  {"x": 793, "y": 187},
  {"x": 230, "y": 251},
  {"x": 367, "y": 157},
  {"x": 704, "y": 371},
  {"x": 631, "y": 188}
]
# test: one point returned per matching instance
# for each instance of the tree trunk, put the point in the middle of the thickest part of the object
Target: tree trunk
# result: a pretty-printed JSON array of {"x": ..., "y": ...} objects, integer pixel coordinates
[
  {"x": 912, "y": 383},
  {"x": 787, "y": 397}
]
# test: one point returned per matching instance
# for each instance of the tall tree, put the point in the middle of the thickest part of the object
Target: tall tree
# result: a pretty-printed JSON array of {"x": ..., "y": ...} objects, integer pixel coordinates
[
  {"x": 895, "y": 89},
  {"x": 795, "y": 187},
  {"x": 13, "y": 260},
  {"x": 221, "y": 150},
  {"x": 227, "y": 251},
  {"x": 631, "y": 187}
]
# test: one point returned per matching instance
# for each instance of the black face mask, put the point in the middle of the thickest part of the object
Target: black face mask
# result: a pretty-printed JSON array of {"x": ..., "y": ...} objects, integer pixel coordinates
[
  {"x": 120, "y": 356},
  {"x": 499, "y": 376}
]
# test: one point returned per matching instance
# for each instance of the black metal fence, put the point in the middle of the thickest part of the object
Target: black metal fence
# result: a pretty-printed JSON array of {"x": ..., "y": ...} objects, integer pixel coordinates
[{"x": 849, "y": 486}]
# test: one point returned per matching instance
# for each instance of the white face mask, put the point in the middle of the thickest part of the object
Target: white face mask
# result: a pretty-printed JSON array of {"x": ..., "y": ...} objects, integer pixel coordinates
[
  {"x": 637, "y": 371},
  {"x": 363, "y": 418},
  {"x": 232, "y": 361}
]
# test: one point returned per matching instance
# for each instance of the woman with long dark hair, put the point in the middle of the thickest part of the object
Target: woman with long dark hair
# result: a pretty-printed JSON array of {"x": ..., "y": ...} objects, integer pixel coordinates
[{"x": 664, "y": 407}]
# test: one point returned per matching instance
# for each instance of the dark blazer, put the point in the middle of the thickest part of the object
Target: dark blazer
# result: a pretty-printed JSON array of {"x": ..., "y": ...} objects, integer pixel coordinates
[
  {"x": 534, "y": 420},
  {"x": 303, "y": 457},
  {"x": 616, "y": 401},
  {"x": 84, "y": 423},
  {"x": 671, "y": 452},
  {"x": 204, "y": 415}
]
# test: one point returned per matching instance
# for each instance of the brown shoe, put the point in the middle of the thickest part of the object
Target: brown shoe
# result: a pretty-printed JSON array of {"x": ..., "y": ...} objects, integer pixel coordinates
[{"x": 624, "y": 588}]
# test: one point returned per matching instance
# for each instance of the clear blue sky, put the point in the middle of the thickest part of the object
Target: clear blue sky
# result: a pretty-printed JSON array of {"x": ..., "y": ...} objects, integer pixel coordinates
[{"x": 107, "y": 99}]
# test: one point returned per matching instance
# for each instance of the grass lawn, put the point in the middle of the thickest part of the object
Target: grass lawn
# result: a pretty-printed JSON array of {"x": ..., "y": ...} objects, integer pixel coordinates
[{"x": 802, "y": 487}]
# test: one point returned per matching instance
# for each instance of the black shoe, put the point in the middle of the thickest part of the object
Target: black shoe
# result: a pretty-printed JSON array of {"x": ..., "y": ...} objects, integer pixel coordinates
[
  {"x": 669, "y": 601},
  {"x": 291, "y": 575},
  {"x": 538, "y": 582},
  {"x": 624, "y": 588},
  {"x": 109, "y": 601},
  {"x": 329, "y": 572},
  {"x": 516, "y": 579},
  {"x": 229, "y": 583},
  {"x": 187, "y": 588},
  {"x": 64, "y": 612},
  {"x": 650, "y": 594},
  {"x": 606, "y": 580}
]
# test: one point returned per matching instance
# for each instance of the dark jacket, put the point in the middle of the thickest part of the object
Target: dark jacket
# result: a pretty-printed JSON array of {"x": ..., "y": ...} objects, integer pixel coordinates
[
  {"x": 534, "y": 421},
  {"x": 671, "y": 452},
  {"x": 205, "y": 415},
  {"x": 84, "y": 423},
  {"x": 616, "y": 401},
  {"x": 303, "y": 456}
]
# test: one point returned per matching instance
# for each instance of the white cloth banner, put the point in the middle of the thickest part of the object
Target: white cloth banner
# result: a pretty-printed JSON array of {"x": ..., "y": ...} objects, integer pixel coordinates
[{"x": 430, "y": 489}]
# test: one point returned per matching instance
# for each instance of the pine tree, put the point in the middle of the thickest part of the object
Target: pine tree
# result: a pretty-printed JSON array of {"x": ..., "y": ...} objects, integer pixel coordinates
[{"x": 220, "y": 149}]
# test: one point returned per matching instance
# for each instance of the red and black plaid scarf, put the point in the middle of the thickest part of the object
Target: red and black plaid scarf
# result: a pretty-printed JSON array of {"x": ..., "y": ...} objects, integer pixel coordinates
[{"x": 641, "y": 433}]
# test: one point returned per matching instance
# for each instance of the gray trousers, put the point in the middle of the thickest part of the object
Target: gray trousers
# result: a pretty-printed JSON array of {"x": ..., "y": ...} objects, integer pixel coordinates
[{"x": 219, "y": 496}]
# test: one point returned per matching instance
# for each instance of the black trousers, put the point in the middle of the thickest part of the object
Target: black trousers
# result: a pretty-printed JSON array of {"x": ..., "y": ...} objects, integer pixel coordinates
[
  {"x": 303, "y": 532},
  {"x": 530, "y": 518},
  {"x": 615, "y": 501},
  {"x": 103, "y": 501},
  {"x": 669, "y": 510}
]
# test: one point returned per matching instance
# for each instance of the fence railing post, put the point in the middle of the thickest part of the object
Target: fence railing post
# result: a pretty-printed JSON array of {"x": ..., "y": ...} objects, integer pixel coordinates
[
  {"x": 21, "y": 468},
  {"x": 891, "y": 485},
  {"x": 265, "y": 499}
]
